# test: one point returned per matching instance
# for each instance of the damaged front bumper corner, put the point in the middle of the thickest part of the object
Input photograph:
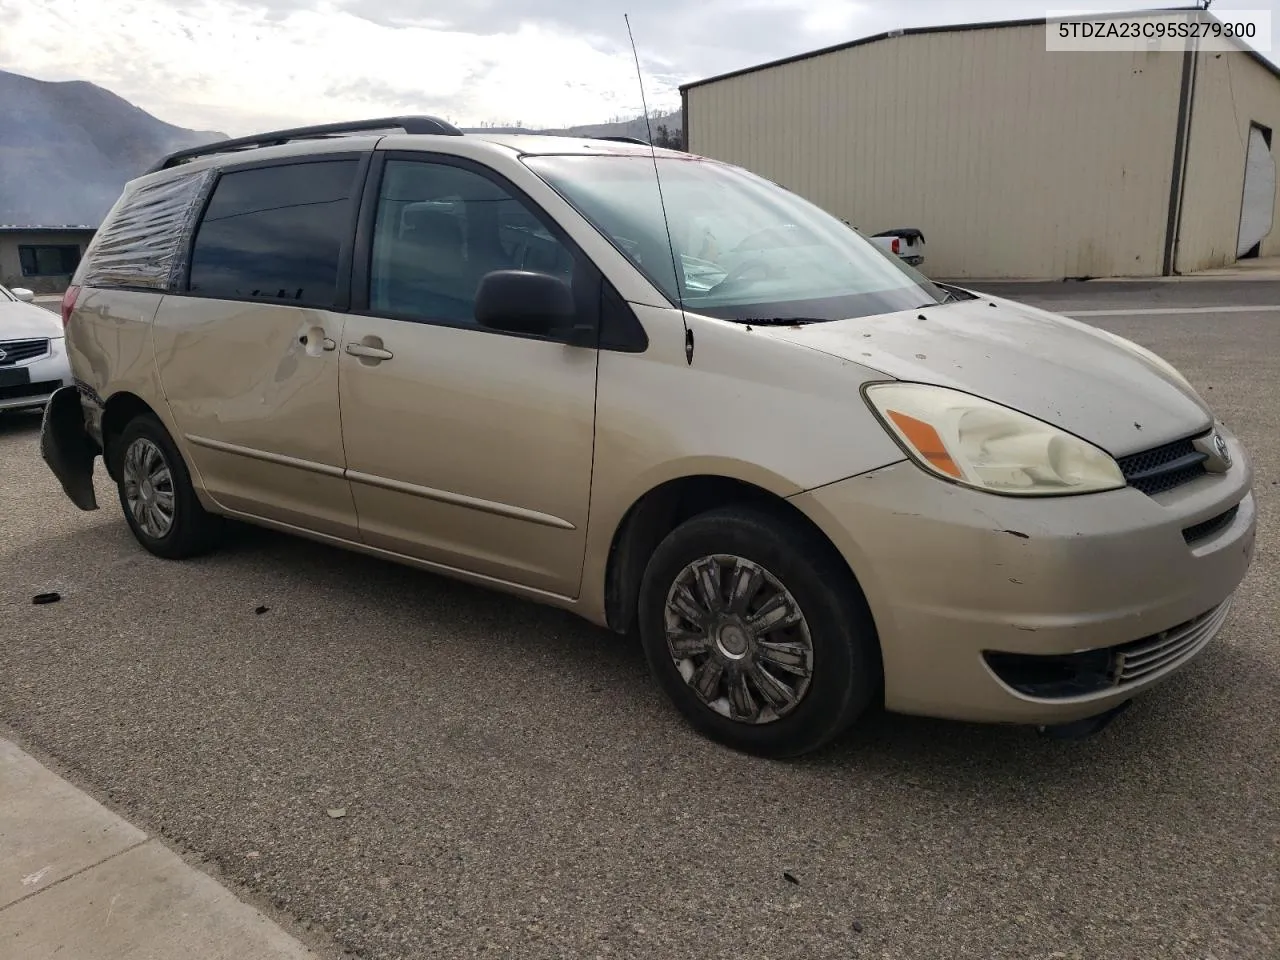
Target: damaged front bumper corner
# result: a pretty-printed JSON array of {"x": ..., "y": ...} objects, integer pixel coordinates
[{"x": 67, "y": 448}]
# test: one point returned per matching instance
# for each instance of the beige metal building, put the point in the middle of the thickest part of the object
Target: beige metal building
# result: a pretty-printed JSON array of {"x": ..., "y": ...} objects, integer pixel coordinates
[
  {"x": 1015, "y": 161},
  {"x": 41, "y": 258}
]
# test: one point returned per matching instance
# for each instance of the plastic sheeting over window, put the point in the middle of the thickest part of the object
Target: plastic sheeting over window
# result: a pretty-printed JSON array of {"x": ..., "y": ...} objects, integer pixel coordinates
[{"x": 146, "y": 236}]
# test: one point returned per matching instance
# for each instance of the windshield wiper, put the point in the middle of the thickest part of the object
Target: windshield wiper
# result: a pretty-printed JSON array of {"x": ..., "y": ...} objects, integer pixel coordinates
[
  {"x": 954, "y": 294},
  {"x": 777, "y": 321}
]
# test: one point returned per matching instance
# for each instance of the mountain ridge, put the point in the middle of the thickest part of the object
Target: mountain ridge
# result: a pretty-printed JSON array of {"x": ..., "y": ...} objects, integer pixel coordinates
[
  {"x": 635, "y": 127},
  {"x": 68, "y": 147}
]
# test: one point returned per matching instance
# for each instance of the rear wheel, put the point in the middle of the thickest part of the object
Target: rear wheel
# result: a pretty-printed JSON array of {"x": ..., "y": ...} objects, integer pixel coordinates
[
  {"x": 159, "y": 502},
  {"x": 757, "y": 631}
]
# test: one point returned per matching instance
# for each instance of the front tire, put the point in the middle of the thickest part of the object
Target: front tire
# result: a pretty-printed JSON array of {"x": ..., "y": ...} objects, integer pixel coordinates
[
  {"x": 755, "y": 628},
  {"x": 159, "y": 502}
]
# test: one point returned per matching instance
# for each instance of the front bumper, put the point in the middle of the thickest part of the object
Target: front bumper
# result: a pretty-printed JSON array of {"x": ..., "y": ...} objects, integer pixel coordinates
[
  {"x": 957, "y": 579},
  {"x": 43, "y": 375}
]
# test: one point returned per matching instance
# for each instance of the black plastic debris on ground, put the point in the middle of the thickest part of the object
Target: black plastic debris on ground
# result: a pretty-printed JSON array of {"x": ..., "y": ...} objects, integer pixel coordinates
[{"x": 43, "y": 598}]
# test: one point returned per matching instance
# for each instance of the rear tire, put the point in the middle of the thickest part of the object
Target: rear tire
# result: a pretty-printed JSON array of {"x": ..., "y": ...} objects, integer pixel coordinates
[
  {"x": 159, "y": 502},
  {"x": 777, "y": 654}
]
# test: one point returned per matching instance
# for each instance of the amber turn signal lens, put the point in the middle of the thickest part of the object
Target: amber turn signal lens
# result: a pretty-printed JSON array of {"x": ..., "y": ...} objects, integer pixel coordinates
[{"x": 927, "y": 442}]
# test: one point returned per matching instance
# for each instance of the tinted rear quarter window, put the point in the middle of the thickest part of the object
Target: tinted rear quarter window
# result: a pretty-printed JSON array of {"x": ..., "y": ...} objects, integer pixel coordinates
[{"x": 275, "y": 233}]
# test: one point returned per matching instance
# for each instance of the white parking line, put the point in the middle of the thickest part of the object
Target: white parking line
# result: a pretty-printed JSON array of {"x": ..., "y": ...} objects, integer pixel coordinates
[{"x": 1154, "y": 311}]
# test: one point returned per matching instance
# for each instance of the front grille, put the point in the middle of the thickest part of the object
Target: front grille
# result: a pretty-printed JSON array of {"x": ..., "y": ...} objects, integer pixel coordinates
[
  {"x": 1058, "y": 676},
  {"x": 1162, "y": 468},
  {"x": 1142, "y": 658},
  {"x": 40, "y": 389},
  {"x": 1207, "y": 528},
  {"x": 16, "y": 351}
]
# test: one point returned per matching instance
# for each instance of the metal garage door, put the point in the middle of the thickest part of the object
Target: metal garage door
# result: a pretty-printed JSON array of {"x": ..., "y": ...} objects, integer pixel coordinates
[{"x": 1258, "y": 204}]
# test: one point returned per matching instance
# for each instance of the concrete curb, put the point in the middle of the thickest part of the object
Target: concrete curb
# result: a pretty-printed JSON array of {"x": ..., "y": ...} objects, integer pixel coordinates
[{"x": 75, "y": 877}]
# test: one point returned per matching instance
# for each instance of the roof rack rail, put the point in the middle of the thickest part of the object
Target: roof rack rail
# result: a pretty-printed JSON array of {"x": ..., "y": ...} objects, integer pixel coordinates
[
  {"x": 430, "y": 125},
  {"x": 643, "y": 143}
]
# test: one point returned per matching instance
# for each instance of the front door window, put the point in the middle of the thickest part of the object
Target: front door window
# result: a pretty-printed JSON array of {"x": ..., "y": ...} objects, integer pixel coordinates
[{"x": 440, "y": 228}]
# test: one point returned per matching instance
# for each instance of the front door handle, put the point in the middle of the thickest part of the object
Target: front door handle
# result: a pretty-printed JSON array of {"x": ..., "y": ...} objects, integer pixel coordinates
[{"x": 368, "y": 351}]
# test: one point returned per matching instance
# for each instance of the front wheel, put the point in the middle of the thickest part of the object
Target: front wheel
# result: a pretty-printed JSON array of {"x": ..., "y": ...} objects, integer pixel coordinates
[
  {"x": 757, "y": 631},
  {"x": 159, "y": 502}
]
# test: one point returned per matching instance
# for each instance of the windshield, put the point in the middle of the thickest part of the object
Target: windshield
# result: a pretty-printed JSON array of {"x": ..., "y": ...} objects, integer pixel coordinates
[
  {"x": 747, "y": 249},
  {"x": 5, "y": 294}
]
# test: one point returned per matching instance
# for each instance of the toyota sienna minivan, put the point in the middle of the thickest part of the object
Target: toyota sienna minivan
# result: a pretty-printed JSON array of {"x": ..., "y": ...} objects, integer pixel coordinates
[{"x": 664, "y": 393}]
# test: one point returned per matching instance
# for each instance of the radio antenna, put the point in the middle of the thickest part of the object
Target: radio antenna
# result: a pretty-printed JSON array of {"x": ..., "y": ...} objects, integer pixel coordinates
[{"x": 662, "y": 203}]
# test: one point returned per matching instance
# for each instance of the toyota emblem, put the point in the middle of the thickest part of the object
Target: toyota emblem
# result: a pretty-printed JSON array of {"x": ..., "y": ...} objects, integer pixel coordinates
[
  {"x": 2, "y": 355},
  {"x": 1220, "y": 445}
]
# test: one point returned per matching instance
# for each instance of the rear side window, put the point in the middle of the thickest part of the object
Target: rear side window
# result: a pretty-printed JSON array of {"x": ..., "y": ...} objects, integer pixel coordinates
[{"x": 276, "y": 233}]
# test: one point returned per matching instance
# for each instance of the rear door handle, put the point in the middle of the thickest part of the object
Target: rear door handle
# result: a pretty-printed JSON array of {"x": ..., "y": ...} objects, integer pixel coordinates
[{"x": 365, "y": 350}]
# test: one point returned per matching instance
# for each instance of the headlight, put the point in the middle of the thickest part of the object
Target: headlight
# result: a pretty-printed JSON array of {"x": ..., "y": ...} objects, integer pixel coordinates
[{"x": 985, "y": 445}]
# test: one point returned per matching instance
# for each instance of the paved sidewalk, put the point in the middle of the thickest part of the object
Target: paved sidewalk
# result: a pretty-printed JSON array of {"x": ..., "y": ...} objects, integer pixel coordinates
[
  {"x": 1261, "y": 268},
  {"x": 78, "y": 882}
]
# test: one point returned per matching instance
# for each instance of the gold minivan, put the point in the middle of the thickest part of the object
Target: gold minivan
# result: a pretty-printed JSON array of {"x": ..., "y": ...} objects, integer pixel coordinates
[{"x": 664, "y": 393}]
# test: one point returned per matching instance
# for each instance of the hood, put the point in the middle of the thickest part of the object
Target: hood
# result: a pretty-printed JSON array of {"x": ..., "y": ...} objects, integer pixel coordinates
[
  {"x": 1048, "y": 366},
  {"x": 23, "y": 321}
]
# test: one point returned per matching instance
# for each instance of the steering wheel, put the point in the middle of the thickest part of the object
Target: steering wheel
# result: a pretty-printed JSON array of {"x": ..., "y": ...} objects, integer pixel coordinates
[{"x": 750, "y": 265}]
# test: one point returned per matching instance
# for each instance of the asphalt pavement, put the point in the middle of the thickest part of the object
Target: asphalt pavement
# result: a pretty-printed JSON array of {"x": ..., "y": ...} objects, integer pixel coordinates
[{"x": 512, "y": 784}]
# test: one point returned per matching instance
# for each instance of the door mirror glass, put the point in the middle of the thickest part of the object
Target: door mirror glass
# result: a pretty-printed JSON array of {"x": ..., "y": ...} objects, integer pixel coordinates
[{"x": 522, "y": 301}]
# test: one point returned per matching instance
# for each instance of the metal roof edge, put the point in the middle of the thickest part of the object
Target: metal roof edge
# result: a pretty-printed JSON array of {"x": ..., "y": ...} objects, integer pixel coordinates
[
  {"x": 1270, "y": 67},
  {"x": 37, "y": 227},
  {"x": 945, "y": 28}
]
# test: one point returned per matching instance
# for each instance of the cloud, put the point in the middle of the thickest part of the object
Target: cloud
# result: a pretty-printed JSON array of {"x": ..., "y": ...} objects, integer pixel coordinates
[
  {"x": 231, "y": 66},
  {"x": 246, "y": 65}
]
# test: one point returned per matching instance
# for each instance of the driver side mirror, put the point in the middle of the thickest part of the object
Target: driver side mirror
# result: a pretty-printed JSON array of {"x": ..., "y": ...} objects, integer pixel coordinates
[
  {"x": 23, "y": 294},
  {"x": 522, "y": 301}
]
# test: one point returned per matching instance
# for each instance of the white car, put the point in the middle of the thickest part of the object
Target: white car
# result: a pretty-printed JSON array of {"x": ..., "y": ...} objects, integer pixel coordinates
[{"x": 33, "y": 358}]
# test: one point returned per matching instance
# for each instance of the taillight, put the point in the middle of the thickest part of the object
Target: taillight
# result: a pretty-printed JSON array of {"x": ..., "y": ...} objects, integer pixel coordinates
[
  {"x": 69, "y": 303},
  {"x": 897, "y": 245}
]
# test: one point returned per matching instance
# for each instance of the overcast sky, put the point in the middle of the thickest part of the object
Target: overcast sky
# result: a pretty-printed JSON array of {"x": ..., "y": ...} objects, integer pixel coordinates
[{"x": 240, "y": 65}]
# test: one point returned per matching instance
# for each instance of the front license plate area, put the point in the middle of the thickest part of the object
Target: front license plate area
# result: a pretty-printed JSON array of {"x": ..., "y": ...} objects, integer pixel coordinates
[{"x": 14, "y": 376}]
